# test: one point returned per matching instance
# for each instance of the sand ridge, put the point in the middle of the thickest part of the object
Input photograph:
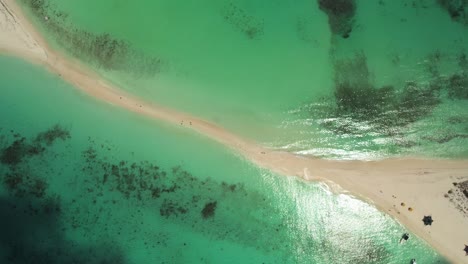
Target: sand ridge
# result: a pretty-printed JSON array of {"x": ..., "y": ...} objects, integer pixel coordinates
[{"x": 419, "y": 183}]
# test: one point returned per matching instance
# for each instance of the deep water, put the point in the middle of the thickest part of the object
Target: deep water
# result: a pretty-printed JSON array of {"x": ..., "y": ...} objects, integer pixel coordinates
[
  {"x": 84, "y": 182},
  {"x": 340, "y": 79}
]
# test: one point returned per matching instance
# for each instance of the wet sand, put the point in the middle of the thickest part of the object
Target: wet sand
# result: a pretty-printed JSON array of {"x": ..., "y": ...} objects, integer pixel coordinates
[{"x": 418, "y": 183}]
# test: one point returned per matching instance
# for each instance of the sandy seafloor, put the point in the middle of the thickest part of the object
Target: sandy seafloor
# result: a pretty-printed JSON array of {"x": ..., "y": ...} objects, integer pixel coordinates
[
  {"x": 124, "y": 187},
  {"x": 91, "y": 182}
]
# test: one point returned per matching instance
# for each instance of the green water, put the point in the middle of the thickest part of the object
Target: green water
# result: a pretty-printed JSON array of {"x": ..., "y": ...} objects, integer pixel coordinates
[
  {"x": 270, "y": 70},
  {"x": 85, "y": 182}
]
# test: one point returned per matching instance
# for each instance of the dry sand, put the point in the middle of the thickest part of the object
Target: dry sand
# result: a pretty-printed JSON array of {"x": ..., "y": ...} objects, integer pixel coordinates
[{"x": 420, "y": 184}]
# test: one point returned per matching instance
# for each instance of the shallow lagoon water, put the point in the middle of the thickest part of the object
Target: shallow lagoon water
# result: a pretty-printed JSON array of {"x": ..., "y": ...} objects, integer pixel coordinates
[
  {"x": 268, "y": 70},
  {"x": 87, "y": 182}
]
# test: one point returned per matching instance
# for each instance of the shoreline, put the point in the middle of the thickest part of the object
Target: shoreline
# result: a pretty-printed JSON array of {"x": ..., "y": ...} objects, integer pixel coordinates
[{"x": 419, "y": 183}]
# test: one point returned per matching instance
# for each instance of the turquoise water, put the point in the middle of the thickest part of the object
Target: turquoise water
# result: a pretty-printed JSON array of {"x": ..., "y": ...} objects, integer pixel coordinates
[
  {"x": 85, "y": 182},
  {"x": 286, "y": 73}
]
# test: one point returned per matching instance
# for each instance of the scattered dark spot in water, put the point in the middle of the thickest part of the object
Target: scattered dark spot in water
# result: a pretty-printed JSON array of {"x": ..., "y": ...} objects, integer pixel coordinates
[
  {"x": 457, "y": 9},
  {"x": 21, "y": 149},
  {"x": 463, "y": 61},
  {"x": 181, "y": 198},
  {"x": 416, "y": 4},
  {"x": 32, "y": 223},
  {"x": 340, "y": 15},
  {"x": 103, "y": 186},
  {"x": 250, "y": 26},
  {"x": 433, "y": 61},
  {"x": 101, "y": 50},
  {"x": 209, "y": 210},
  {"x": 33, "y": 232},
  {"x": 230, "y": 187},
  {"x": 51, "y": 135},
  {"x": 171, "y": 208},
  {"x": 458, "y": 86}
]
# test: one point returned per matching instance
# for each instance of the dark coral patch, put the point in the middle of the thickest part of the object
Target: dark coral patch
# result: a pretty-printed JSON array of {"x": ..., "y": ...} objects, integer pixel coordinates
[
  {"x": 359, "y": 108},
  {"x": 457, "y": 9},
  {"x": 385, "y": 107},
  {"x": 171, "y": 208},
  {"x": 49, "y": 136},
  {"x": 21, "y": 148},
  {"x": 101, "y": 50},
  {"x": 18, "y": 150},
  {"x": 209, "y": 210},
  {"x": 340, "y": 15}
]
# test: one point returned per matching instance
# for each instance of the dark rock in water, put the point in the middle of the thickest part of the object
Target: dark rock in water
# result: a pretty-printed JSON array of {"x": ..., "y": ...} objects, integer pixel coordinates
[
  {"x": 340, "y": 15},
  {"x": 209, "y": 210},
  {"x": 457, "y": 9},
  {"x": 338, "y": 8}
]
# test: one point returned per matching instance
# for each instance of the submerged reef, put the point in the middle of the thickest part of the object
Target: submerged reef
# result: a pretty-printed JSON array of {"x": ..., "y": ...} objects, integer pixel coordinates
[
  {"x": 457, "y": 9},
  {"x": 102, "y": 185},
  {"x": 32, "y": 222},
  {"x": 107, "y": 203},
  {"x": 209, "y": 209},
  {"x": 454, "y": 84},
  {"x": 458, "y": 86},
  {"x": 101, "y": 50},
  {"x": 250, "y": 26},
  {"x": 340, "y": 15},
  {"x": 358, "y": 107},
  {"x": 180, "y": 197},
  {"x": 33, "y": 232},
  {"x": 384, "y": 108},
  {"x": 20, "y": 148}
]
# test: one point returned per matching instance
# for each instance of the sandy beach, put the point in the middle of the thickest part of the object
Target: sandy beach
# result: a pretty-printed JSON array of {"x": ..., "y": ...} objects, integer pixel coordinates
[{"x": 392, "y": 185}]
